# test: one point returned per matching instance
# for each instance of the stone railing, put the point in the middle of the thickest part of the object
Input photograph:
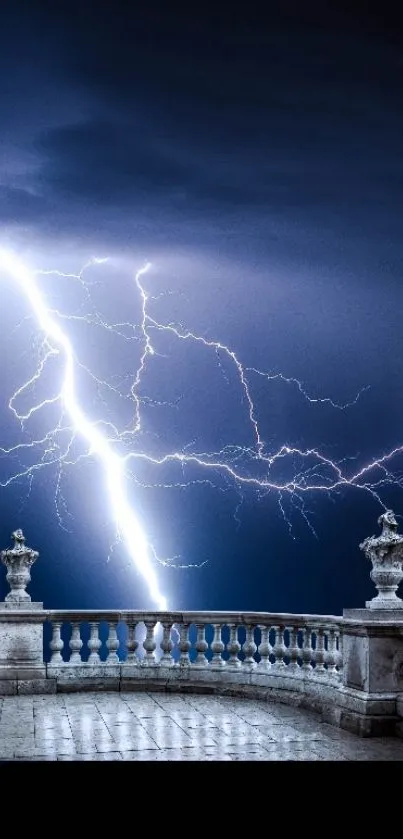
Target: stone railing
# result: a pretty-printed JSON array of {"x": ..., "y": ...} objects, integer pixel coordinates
[
  {"x": 304, "y": 644},
  {"x": 349, "y": 668}
]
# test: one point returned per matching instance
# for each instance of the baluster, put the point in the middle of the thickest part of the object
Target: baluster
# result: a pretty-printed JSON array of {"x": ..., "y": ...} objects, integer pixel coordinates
[
  {"x": 264, "y": 649},
  {"x": 249, "y": 647},
  {"x": 149, "y": 644},
  {"x": 217, "y": 647},
  {"x": 279, "y": 648},
  {"x": 293, "y": 649},
  {"x": 339, "y": 650},
  {"x": 307, "y": 651},
  {"x": 94, "y": 643},
  {"x": 131, "y": 643},
  {"x": 175, "y": 638},
  {"x": 184, "y": 645},
  {"x": 201, "y": 646},
  {"x": 75, "y": 643},
  {"x": 233, "y": 646},
  {"x": 330, "y": 659},
  {"x": 320, "y": 650},
  {"x": 166, "y": 645},
  {"x": 112, "y": 644},
  {"x": 56, "y": 644}
]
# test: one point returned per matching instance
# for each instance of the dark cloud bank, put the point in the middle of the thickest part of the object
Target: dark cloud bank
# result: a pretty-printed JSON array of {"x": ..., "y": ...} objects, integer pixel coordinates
[{"x": 265, "y": 158}]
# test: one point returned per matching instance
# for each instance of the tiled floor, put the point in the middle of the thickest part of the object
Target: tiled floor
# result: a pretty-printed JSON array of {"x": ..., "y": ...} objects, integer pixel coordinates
[{"x": 159, "y": 726}]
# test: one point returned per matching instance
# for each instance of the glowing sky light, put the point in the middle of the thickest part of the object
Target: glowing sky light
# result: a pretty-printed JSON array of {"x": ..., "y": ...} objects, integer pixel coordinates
[{"x": 252, "y": 466}]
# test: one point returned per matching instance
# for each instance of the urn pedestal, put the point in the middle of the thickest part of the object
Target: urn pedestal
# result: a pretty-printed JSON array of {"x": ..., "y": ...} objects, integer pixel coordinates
[
  {"x": 386, "y": 554},
  {"x": 21, "y": 621},
  {"x": 373, "y": 640}
]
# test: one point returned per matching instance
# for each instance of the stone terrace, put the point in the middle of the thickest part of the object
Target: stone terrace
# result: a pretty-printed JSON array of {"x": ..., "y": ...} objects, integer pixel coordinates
[
  {"x": 160, "y": 726},
  {"x": 85, "y": 685}
]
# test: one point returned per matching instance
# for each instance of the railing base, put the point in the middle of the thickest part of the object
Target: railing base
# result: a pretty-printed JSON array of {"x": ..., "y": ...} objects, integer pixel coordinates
[{"x": 26, "y": 687}]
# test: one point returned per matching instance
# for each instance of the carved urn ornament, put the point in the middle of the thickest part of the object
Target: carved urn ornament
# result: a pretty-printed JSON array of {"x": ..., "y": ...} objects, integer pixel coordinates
[
  {"x": 18, "y": 561},
  {"x": 386, "y": 554}
]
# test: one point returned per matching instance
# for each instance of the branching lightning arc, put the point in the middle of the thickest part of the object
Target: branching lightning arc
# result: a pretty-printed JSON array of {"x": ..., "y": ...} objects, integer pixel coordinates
[{"x": 252, "y": 466}]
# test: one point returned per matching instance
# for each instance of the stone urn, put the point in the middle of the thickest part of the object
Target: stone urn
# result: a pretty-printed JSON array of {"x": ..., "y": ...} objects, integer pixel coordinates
[
  {"x": 386, "y": 554},
  {"x": 18, "y": 561}
]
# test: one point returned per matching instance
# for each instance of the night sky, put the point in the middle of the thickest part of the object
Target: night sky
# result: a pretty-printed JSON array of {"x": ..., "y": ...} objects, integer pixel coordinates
[{"x": 257, "y": 164}]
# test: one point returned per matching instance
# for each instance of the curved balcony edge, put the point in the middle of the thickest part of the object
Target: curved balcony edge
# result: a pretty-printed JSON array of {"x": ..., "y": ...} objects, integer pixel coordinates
[{"x": 350, "y": 709}]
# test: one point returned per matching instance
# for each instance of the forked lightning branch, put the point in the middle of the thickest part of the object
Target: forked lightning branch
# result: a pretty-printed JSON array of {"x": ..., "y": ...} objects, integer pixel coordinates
[{"x": 251, "y": 467}]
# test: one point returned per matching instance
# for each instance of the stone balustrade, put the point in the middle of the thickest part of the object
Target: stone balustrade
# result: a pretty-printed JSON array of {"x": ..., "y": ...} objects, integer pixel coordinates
[
  {"x": 297, "y": 658},
  {"x": 304, "y": 644},
  {"x": 349, "y": 668}
]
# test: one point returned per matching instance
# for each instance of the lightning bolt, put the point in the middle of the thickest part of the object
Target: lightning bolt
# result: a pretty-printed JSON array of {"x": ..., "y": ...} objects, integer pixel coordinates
[
  {"x": 238, "y": 466},
  {"x": 129, "y": 529}
]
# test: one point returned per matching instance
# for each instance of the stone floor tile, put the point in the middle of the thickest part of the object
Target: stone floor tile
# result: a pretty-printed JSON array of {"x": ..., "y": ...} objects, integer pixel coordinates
[
  {"x": 30, "y": 759},
  {"x": 115, "y": 719},
  {"x": 134, "y": 742},
  {"x": 35, "y": 752},
  {"x": 95, "y": 756},
  {"x": 16, "y": 742},
  {"x": 58, "y": 732},
  {"x": 203, "y": 725},
  {"x": 175, "y": 755},
  {"x": 237, "y": 739},
  {"x": 256, "y": 718},
  {"x": 86, "y": 748},
  {"x": 170, "y": 740},
  {"x": 158, "y": 726},
  {"x": 283, "y": 733},
  {"x": 148, "y": 754},
  {"x": 151, "y": 714},
  {"x": 186, "y": 713},
  {"x": 55, "y": 721},
  {"x": 124, "y": 728},
  {"x": 223, "y": 718}
]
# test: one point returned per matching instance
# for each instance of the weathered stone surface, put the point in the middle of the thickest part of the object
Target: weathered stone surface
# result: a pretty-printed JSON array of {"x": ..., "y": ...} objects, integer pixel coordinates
[
  {"x": 8, "y": 687},
  {"x": 350, "y": 668},
  {"x": 374, "y": 616},
  {"x": 82, "y": 672},
  {"x": 386, "y": 554},
  {"x": 356, "y": 709},
  {"x": 373, "y": 657},
  {"x": 158, "y": 726},
  {"x": 70, "y": 685},
  {"x": 22, "y": 605},
  {"x": 24, "y": 673},
  {"x": 36, "y": 686},
  {"x": 21, "y": 643}
]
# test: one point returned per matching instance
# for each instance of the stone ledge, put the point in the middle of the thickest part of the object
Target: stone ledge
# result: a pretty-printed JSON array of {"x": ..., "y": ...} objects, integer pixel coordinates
[
  {"x": 26, "y": 616},
  {"x": 373, "y": 615},
  {"x": 23, "y": 686},
  {"x": 82, "y": 672},
  {"x": 8, "y": 687},
  {"x": 25, "y": 606},
  {"x": 36, "y": 686},
  {"x": 369, "y": 726},
  {"x": 70, "y": 685},
  {"x": 19, "y": 672}
]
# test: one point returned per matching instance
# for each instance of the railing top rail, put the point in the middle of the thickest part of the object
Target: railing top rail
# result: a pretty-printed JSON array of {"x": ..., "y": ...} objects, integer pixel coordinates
[{"x": 242, "y": 618}]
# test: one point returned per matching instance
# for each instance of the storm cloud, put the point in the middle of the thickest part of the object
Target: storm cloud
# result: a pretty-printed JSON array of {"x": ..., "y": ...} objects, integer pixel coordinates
[{"x": 257, "y": 161}]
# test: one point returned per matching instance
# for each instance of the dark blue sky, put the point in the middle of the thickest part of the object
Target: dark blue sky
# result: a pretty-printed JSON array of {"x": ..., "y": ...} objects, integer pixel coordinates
[{"x": 257, "y": 163}]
